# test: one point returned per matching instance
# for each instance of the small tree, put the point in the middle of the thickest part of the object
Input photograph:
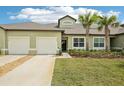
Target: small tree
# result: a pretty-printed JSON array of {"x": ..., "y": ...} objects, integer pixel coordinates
[
  {"x": 104, "y": 23},
  {"x": 87, "y": 20}
]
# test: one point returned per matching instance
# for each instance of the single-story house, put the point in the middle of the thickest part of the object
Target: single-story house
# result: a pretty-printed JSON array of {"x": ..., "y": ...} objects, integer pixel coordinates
[{"x": 34, "y": 38}]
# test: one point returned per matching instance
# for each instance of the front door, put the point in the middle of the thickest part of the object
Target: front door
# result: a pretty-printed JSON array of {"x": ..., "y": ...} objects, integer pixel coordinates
[{"x": 64, "y": 46}]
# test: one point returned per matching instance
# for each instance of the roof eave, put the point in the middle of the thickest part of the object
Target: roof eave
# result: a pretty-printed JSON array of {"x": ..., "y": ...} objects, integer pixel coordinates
[
  {"x": 34, "y": 30},
  {"x": 67, "y": 16},
  {"x": 2, "y": 28},
  {"x": 90, "y": 34}
]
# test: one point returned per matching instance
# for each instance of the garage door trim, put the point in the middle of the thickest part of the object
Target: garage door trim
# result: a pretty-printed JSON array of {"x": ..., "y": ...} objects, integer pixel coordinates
[
  {"x": 44, "y": 38},
  {"x": 18, "y": 37},
  {"x": 23, "y": 37}
]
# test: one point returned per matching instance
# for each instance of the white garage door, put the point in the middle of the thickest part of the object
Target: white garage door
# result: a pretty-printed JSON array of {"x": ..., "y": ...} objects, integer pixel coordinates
[
  {"x": 46, "y": 45},
  {"x": 18, "y": 45}
]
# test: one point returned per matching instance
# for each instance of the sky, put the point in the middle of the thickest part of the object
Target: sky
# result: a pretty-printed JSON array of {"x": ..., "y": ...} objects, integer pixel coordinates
[{"x": 50, "y": 14}]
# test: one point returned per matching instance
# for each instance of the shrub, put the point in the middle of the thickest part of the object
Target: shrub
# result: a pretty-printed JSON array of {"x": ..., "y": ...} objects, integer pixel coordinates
[
  {"x": 59, "y": 51},
  {"x": 122, "y": 52},
  {"x": 95, "y": 53}
]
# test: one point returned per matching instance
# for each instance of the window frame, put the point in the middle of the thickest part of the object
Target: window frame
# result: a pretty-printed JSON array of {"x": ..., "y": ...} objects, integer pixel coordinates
[
  {"x": 64, "y": 23},
  {"x": 78, "y": 42},
  {"x": 98, "y": 48}
]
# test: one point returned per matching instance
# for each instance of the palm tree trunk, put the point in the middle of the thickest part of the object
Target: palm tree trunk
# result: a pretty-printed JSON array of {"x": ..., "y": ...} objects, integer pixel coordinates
[
  {"x": 107, "y": 38},
  {"x": 87, "y": 38}
]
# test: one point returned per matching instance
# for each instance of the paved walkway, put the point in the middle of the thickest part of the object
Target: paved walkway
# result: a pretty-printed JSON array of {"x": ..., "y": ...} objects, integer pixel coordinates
[
  {"x": 36, "y": 71},
  {"x": 9, "y": 58},
  {"x": 64, "y": 55}
]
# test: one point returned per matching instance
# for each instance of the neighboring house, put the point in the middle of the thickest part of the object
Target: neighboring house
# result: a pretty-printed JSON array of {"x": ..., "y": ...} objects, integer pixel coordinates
[{"x": 34, "y": 38}]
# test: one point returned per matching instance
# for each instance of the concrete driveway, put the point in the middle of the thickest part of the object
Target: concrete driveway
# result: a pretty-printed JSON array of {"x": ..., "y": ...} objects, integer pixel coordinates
[
  {"x": 36, "y": 71},
  {"x": 9, "y": 58}
]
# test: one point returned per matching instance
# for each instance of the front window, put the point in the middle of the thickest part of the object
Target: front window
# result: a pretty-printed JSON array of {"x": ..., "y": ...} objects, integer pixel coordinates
[
  {"x": 78, "y": 42},
  {"x": 98, "y": 42},
  {"x": 67, "y": 23}
]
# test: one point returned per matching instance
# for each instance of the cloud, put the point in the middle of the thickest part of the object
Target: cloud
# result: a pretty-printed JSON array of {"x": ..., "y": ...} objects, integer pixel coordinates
[
  {"x": 113, "y": 13},
  {"x": 37, "y": 11},
  {"x": 84, "y": 10},
  {"x": 62, "y": 10},
  {"x": 52, "y": 14},
  {"x": 20, "y": 16}
]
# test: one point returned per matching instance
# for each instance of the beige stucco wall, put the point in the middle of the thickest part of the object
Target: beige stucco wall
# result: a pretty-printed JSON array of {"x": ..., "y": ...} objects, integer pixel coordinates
[
  {"x": 2, "y": 41},
  {"x": 118, "y": 42},
  {"x": 66, "y": 19},
  {"x": 70, "y": 41},
  {"x": 33, "y": 35}
]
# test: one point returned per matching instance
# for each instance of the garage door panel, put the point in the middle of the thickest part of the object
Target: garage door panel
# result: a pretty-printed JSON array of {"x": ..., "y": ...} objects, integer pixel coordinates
[
  {"x": 18, "y": 45},
  {"x": 46, "y": 45}
]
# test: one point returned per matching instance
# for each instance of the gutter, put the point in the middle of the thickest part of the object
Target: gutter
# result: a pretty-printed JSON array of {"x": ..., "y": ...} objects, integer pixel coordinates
[
  {"x": 91, "y": 34},
  {"x": 32, "y": 30},
  {"x": 2, "y": 28}
]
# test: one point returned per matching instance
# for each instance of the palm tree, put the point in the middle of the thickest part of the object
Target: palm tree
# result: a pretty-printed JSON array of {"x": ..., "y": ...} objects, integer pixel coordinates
[
  {"x": 104, "y": 23},
  {"x": 87, "y": 20}
]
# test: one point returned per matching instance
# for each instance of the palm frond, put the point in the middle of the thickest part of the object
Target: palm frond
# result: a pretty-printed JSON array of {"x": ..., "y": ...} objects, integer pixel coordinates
[
  {"x": 111, "y": 19},
  {"x": 81, "y": 18},
  {"x": 100, "y": 17},
  {"x": 100, "y": 27},
  {"x": 102, "y": 20},
  {"x": 94, "y": 17},
  {"x": 87, "y": 16}
]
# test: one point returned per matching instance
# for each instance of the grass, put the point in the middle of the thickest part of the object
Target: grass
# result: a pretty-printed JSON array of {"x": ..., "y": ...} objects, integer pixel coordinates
[{"x": 88, "y": 72}]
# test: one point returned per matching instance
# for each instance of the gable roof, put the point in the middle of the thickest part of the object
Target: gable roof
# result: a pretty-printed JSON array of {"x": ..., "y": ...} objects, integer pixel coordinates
[
  {"x": 67, "y": 16},
  {"x": 30, "y": 26},
  {"x": 77, "y": 29}
]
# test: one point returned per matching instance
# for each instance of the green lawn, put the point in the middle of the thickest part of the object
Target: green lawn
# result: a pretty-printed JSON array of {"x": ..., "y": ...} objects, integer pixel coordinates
[{"x": 88, "y": 71}]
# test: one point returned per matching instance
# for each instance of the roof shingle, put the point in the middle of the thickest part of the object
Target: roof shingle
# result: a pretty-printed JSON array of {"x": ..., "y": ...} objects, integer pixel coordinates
[{"x": 76, "y": 29}]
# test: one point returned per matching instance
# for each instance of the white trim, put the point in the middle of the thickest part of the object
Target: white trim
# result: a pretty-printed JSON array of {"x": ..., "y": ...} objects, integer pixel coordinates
[
  {"x": 4, "y": 49},
  {"x": 64, "y": 24},
  {"x": 98, "y": 48},
  {"x": 19, "y": 37},
  {"x": 32, "y": 49},
  {"x": 39, "y": 37},
  {"x": 79, "y": 47},
  {"x": 44, "y": 37}
]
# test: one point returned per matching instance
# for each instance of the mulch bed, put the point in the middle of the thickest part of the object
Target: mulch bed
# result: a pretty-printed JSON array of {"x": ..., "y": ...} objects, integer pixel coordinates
[
  {"x": 96, "y": 56},
  {"x": 10, "y": 66}
]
